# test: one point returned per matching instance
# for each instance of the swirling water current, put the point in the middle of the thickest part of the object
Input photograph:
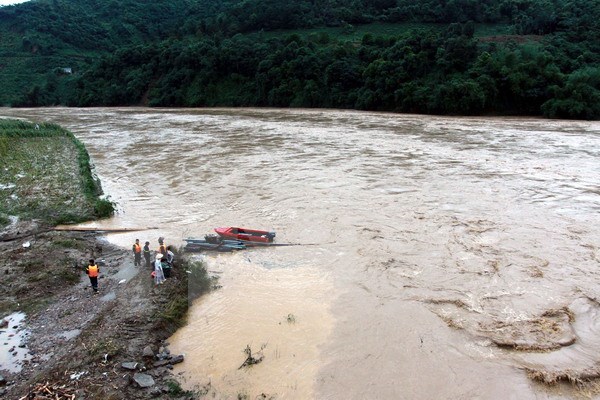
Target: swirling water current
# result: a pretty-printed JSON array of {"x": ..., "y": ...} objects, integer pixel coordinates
[{"x": 428, "y": 236}]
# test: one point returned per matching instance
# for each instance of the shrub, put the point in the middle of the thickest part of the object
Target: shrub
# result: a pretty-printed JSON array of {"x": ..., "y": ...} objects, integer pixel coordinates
[{"x": 192, "y": 280}]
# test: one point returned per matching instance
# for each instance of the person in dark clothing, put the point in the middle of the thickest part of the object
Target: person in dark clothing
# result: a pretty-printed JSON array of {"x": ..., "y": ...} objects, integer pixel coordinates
[
  {"x": 92, "y": 270},
  {"x": 147, "y": 254},
  {"x": 166, "y": 267},
  {"x": 170, "y": 256}
]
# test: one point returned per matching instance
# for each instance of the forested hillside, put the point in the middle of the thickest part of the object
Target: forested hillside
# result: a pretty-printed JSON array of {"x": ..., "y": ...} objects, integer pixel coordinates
[{"x": 509, "y": 57}]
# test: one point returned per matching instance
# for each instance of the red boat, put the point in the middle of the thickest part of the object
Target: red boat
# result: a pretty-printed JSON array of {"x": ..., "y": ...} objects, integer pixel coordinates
[{"x": 249, "y": 235}]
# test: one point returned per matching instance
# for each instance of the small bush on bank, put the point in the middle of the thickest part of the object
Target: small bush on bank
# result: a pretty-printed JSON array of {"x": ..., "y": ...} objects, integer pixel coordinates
[
  {"x": 104, "y": 208},
  {"x": 4, "y": 221},
  {"x": 172, "y": 316},
  {"x": 199, "y": 282},
  {"x": 175, "y": 389},
  {"x": 191, "y": 280}
]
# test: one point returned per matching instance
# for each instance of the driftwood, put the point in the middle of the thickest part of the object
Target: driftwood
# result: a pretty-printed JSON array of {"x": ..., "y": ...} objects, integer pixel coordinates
[
  {"x": 97, "y": 229},
  {"x": 43, "y": 391},
  {"x": 67, "y": 228},
  {"x": 252, "y": 359}
]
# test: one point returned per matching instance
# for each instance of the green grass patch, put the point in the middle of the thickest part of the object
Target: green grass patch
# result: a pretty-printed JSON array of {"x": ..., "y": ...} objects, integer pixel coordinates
[
  {"x": 69, "y": 275},
  {"x": 32, "y": 266},
  {"x": 103, "y": 347},
  {"x": 68, "y": 244},
  {"x": 31, "y": 306},
  {"x": 46, "y": 174},
  {"x": 39, "y": 277},
  {"x": 4, "y": 221},
  {"x": 54, "y": 276}
]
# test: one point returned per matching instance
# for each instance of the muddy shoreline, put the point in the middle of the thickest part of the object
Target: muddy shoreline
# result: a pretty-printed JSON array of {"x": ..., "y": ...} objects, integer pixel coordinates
[{"x": 93, "y": 346}]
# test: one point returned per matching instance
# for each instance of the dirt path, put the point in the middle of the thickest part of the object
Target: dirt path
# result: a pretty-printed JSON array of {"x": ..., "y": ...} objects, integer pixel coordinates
[{"x": 78, "y": 341}]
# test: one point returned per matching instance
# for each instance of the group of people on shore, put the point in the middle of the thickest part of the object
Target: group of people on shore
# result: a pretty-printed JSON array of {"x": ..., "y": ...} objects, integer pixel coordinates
[
  {"x": 163, "y": 259},
  {"x": 161, "y": 267}
]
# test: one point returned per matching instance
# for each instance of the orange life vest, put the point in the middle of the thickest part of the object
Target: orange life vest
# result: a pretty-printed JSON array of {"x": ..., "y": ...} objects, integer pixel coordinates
[
  {"x": 162, "y": 249},
  {"x": 93, "y": 271},
  {"x": 137, "y": 248}
]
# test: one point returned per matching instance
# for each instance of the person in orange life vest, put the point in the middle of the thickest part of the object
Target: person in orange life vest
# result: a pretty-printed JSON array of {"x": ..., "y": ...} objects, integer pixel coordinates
[
  {"x": 93, "y": 271},
  {"x": 137, "y": 252}
]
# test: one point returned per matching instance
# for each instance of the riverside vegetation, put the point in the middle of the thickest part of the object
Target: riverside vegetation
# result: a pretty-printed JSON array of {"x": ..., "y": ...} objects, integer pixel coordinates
[
  {"x": 510, "y": 57},
  {"x": 45, "y": 178}
]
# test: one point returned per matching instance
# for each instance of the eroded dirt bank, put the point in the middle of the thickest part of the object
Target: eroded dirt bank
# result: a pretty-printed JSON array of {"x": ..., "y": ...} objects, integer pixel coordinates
[{"x": 80, "y": 344}]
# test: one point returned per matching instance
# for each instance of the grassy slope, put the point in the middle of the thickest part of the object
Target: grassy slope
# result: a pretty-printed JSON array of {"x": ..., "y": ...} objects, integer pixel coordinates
[{"x": 45, "y": 174}]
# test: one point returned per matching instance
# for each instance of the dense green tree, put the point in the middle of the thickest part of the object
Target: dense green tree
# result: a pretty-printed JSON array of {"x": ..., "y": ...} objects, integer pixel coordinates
[
  {"x": 580, "y": 97},
  {"x": 208, "y": 53},
  {"x": 458, "y": 96}
]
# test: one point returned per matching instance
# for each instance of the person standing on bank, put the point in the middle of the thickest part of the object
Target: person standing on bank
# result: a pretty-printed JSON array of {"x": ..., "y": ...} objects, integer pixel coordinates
[
  {"x": 137, "y": 252},
  {"x": 170, "y": 256},
  {"x": 147, "y": 254},
  {"x": 162, "y": 247},
  {"x": 159, "y": 276},
  {"x": 166, "y": 267},
  {"x": 92, "y": 270}
]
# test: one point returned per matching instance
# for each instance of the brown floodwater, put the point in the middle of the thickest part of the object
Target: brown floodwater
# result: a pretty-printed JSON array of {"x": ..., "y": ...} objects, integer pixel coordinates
[{"x": 451, "y": 257}]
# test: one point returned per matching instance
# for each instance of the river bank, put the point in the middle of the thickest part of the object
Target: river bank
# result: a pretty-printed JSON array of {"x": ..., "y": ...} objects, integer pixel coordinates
[
  {"x": 75, "y": 342},
  {"x": 59, "y": 339}
]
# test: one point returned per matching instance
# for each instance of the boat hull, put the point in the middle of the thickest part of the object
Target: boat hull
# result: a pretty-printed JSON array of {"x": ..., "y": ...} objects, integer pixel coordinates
[{"x": 245, "y": 234}]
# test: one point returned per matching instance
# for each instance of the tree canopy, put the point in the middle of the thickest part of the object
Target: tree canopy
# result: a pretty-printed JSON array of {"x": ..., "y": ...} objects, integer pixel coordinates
[{"x": 465, "y": 57}]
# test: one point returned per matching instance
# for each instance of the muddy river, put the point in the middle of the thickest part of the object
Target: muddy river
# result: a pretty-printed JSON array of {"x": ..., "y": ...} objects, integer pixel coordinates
[{"x": 445, "y": 258}]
